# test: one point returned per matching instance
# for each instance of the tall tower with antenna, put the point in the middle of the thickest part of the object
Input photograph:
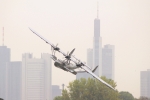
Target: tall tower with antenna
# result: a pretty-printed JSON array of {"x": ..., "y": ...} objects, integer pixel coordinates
[
  {"x": 4, "y": 58},
  {"x": 94, "y": 56},
  {"x": 97, "y": 45}
]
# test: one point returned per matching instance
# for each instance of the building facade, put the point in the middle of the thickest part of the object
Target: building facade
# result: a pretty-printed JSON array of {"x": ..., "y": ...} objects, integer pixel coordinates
[
  {"x": 89, "y": 63},
  {"x": 90, "y": 58},
  {"x": 13, "y": 80},
  {"x": 4, "y": 59},
  {"x": 145, "y": 83},
  {"x": 36, "y": 77},
  {"x": 97, "y": 48},
  {"x": 108, "y": 61}
]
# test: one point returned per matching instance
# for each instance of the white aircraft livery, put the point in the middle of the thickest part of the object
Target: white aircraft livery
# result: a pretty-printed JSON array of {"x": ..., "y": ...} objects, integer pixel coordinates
[{"x": 71, "y": 62}]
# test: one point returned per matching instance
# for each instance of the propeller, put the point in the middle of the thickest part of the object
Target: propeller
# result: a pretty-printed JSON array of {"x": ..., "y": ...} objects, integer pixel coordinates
[
  {"x": 69, "y": 56},
  {"x": 54, "y": 57},
  {"x": 54, "y": 49}
]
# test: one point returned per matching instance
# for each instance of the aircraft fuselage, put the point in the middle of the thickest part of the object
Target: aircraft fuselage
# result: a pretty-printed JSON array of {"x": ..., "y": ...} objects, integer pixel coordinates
[{"x": 61, "y": 64}]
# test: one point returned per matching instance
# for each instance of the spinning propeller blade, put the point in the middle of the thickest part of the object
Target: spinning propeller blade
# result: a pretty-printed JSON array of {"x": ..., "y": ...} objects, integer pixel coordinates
[
  {"x": 71, "y": 52},
  {"x": 69, "y": 56}
]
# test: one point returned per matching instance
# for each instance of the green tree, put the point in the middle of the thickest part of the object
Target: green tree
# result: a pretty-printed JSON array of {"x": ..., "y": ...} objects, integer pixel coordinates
[
  {"x": 92, "y": 89},
  {"x": 65, "y": 95},
  {"x": 58, "y": 98},
  {"x": 125, "y": 96}
]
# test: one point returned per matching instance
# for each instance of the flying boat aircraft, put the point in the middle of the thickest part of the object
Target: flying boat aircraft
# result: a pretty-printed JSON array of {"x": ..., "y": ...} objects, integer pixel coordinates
[{"x": 67, "y": 64}]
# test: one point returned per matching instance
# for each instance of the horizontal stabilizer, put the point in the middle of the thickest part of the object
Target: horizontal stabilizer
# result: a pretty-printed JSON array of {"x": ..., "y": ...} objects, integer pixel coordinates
[{"x": 94, "y": 69}]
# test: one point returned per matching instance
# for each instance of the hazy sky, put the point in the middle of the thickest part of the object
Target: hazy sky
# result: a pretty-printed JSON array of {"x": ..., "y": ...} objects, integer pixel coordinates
[{"x": 70, "y": 23}]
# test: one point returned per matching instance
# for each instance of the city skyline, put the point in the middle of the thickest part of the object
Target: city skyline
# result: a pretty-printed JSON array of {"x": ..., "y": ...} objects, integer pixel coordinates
[
  {"x": 94, "y": 55},
  {"x": 98, "y": 56},
  {"x": 28, "y": 75},
  {"x": 124, "y": 24}
]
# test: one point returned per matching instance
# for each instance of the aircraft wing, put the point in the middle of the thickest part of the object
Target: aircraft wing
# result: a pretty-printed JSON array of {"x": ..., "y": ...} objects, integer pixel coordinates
[
  {"x": 88, "y": 71},
  {"x": 83, "y": 64},
  {"x": 53, "y": 46}
]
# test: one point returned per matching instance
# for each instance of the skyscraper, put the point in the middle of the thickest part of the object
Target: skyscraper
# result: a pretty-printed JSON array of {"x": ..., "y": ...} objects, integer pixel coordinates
[
  {"x": 36, "y": 77},
  {"x": 97, "y": 47},
  {"x": 13, "y": 80},
  {"x": 94, "y": 56},
  {"x": 89, "y": 63},
  {"x": 90, "y": 58},
  {"x": 145, "y": 83},
  {"x": 4, "y": 58},
  {"x": 108, "y": 61}
]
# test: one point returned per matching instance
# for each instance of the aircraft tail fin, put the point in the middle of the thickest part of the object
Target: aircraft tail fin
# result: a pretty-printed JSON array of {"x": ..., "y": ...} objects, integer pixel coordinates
[{"x": 94, "y": 69}]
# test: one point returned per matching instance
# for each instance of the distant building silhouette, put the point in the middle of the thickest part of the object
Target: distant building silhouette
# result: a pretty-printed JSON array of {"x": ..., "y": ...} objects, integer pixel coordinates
[
  {"x": 97, "y": 46},
  {"x": 145, "y": 83},
  {"x": 89, "y": 63},
  {"x": 90, "y": 58},
  {"x": 103, "y": 58},
  {"x": 94, "y": 56},
  {"x": 108, "y": 61},
  {"x": 36, "y": 77},
  {"x": 4, "y": 59},
  {"x": 26, "y": 80},
  {"x": 14, "y": 80},
  {"x": 56, "y": 91}
]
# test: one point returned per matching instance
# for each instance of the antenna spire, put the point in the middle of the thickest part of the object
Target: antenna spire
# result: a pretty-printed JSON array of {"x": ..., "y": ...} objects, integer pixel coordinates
[{"x": 97, "y": 10}]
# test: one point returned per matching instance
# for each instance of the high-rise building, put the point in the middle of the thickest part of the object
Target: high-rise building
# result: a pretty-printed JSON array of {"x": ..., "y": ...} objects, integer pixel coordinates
[
  {"x": 4, "y": 54},
  {"x": 4, "y": 58},
  {"x": 94, "y": 56},
  {"x": 90, "y": 58},
  {"x": 145, "y": 83},
  {"x": 97, "y": 47},
  {"x": 56, "y": 91},
  {"x": 13, "y": 80},
  {"x": 89, "y": 63},
  {"x": 36, "y": 77},
  {"x": 108, "y": 61}
]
